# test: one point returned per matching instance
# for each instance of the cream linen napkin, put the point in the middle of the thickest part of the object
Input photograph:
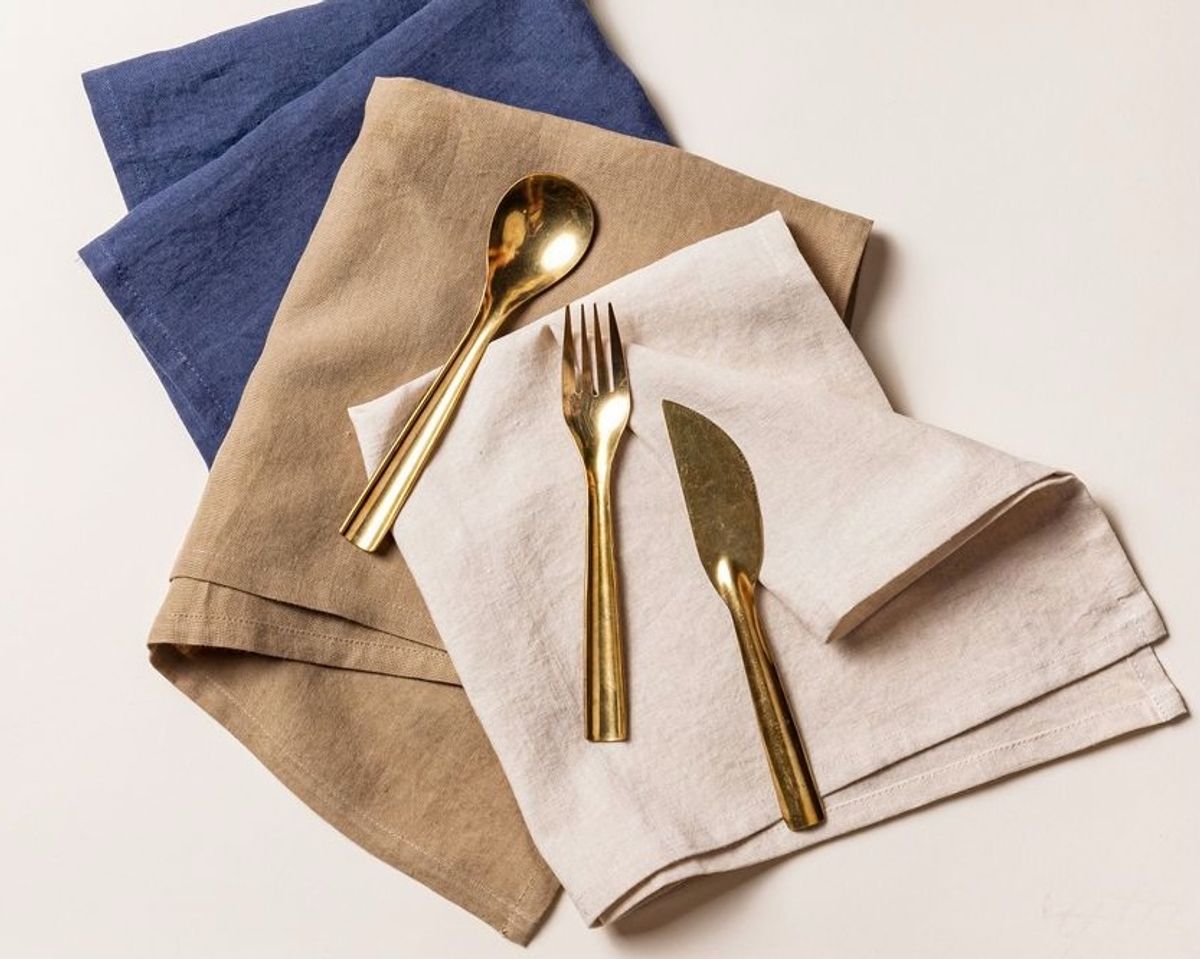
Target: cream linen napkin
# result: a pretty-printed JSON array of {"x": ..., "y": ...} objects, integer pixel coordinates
[
  {"x": 989, "y": 619},
  {"x": 320, "y": 658}
]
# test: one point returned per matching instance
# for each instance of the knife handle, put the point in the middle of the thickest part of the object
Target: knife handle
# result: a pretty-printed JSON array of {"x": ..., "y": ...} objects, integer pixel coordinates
[
  {"x": 606, "y": 704},
  {"x": 795, "y": 788}
]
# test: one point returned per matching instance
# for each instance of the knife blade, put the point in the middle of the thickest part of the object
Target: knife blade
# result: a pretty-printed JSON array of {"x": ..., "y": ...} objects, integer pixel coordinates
[{"x": 726, "y": 521}]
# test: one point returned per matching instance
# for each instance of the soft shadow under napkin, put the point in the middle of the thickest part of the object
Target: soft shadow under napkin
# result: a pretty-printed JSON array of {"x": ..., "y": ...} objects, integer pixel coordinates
[
  {"x": 991, "y": 598},
  {"x": 320, "y": 658}
]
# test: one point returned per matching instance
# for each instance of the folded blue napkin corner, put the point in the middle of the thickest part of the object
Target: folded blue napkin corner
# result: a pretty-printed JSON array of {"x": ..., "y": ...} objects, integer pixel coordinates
[{"x": 226, "y": 149}]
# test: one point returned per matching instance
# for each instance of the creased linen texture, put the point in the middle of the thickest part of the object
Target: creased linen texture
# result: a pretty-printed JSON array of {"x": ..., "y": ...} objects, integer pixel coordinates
[
  {"x": 165, "y": 114},
  {"x": 228, "y": 148},
  {"x": 984, "y": 616},
  {"x": 323, "y": 660}
]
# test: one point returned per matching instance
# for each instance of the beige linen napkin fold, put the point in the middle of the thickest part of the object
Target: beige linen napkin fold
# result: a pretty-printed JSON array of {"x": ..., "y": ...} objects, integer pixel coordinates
[
  {"x": 987, "y": 615},
  {"x": 324, "y": 660}
]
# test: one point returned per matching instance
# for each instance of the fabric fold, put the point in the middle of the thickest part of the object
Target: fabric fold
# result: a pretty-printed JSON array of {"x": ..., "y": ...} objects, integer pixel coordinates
[
  {"x": 879, "y": 534},
  {"x": 166, "y": 114},
  {"x": 1131, "y": 695},
  {"x": 197, "y": 268},
  {"x": 330, "y": 654},
  {"x": 201, "y": 615},
  {"x": 985, "y": 587},
  {"x": 398, "y": 765}
]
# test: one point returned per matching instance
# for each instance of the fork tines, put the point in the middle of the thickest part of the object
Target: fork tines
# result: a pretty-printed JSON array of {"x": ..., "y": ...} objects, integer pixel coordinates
[{"x": 596, "y": 374}]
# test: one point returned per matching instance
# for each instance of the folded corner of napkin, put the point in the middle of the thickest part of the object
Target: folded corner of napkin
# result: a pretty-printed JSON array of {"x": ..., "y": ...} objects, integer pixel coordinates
[
  {"x": 929, "y": 529},
  {"x": 1019, "y": 504}
]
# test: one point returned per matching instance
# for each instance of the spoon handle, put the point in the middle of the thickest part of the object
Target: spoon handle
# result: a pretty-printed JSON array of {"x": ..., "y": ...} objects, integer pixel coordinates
[{"x": 397, "y": 474}]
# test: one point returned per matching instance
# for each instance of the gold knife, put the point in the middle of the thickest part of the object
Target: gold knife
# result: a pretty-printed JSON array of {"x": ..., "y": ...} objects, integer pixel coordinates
[{"x": 722, "y": 506}]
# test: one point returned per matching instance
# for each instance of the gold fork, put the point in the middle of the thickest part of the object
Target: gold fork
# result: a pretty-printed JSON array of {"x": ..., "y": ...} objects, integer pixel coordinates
[{"x": 596, "y": 407}]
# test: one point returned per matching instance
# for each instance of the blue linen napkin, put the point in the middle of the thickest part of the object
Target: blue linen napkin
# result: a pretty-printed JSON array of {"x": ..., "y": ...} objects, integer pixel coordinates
[
  {"x": 165, "y": 114},
  {"x": 227, "y": 149}
]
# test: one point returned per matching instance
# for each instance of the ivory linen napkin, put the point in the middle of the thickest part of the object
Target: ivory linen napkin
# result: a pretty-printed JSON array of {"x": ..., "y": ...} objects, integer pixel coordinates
[
  {"x": 321, "y": 659},
  {"x": 984, "y": 616},
  {"x": 229, "y": 147}
]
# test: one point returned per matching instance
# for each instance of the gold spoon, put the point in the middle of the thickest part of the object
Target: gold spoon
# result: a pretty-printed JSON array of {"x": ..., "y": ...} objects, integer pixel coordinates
[{"x": 542, "y": 227}]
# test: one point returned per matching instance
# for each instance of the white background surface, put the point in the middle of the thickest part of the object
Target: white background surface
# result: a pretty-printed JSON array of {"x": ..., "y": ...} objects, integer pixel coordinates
[{"x": 1034, "y": 173}]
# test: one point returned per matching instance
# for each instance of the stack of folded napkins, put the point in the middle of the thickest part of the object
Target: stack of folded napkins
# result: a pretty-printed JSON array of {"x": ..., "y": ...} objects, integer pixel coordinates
[
  {"x": 942, "y": 614},
  {"x": 983, "y": 615}
]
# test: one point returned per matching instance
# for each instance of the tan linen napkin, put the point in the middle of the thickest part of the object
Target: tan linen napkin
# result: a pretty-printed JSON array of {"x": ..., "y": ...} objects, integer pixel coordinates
[
  {"x": 987, "y": 615},
  {"x": 324, "y": 660}
]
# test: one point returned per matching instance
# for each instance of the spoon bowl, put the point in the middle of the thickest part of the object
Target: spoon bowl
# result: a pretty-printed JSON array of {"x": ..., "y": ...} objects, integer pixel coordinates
[{"x": 542, "y": 227}]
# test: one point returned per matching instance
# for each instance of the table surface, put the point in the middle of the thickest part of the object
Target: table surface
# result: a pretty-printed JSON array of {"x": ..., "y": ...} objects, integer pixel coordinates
[{"x": 1033, "y": 171}]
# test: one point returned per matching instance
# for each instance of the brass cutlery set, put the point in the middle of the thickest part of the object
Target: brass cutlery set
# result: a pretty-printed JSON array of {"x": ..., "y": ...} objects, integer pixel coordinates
[{"x": 540, "y": 231}]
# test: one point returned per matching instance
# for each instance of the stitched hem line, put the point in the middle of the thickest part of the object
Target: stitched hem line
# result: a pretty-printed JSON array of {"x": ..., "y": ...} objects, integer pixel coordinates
[
  {"x": 648, "y": 868},
  {"x": 197, "y": 564},
  {"x": 421, "y": 652},
  {"x": 338, "y": 652},
  {"x": 976, "y": 758},
  {"x": 1151, "y": 692},
  {"x": 1144, "y": 629},
  {"x": 1143, "y": 715}
]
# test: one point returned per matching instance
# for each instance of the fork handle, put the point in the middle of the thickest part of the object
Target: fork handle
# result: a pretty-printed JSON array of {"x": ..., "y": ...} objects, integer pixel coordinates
[{"x": 606, "y": 704}]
